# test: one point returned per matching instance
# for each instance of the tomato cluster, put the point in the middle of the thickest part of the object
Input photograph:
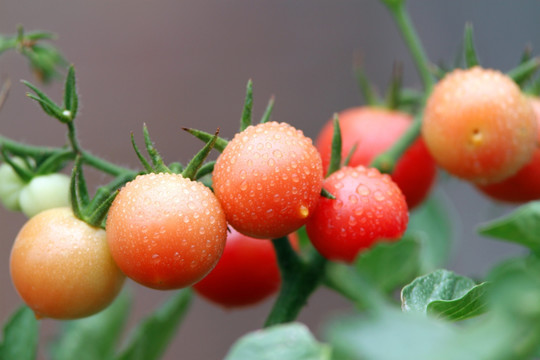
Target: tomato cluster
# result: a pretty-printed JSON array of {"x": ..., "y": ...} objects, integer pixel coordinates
[{"x": 167, "y": 231}]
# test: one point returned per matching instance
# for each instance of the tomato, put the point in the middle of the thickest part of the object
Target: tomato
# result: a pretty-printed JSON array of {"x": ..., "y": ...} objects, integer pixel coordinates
[
  {"x": 11, "y": 185},
  {"x": 166, "y": 231},
  {"x": 373, "y": 131},
  {"x": 246, "y": 274},
  {"x": 369, "y": 207},
  {"x": 44, "y": 192},
  {"x": 524, "y": 185},
  {"x": 62, "y": 267},
  {"x": 479, "y": 126},
  {"x": 268, "y": 180}
]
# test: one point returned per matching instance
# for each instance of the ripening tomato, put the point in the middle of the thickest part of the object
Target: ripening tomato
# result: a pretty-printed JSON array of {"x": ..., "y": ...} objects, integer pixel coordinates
[
  {"x": 11, "y": 185},
  {"x": 62, "y": 267},
  {"x": 373, "y": 131},
  {"x": 369, "y": 207},
  {"x": 524, "y": 185},
  {"x": 268, "y": 180},
  {"x": 166, "y": 231},
  {"x": 479, "y": 126},
  {"x": 246, "y": 274}
]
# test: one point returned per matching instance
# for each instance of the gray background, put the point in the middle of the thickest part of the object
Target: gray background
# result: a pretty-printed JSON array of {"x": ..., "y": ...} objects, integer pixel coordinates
[{"x": 174, "y": 64}]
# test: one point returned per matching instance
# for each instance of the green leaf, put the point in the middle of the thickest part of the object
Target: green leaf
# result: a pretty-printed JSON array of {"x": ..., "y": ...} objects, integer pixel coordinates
[
  {"x": 248, "y": 106},
  {"x": 445, "y": 294},
  {"x": 151, "y": 337},
  {"x": 71, "y": 98},
  {"x": 390, "y": 335},
  {"x": 195, "y": 164},
  {"x": 157, "y": 160},
  {"x": 21, "y": 334},
  {"x": 522, "y": 226},
  {"x": 431, "y": 225},
  {"x": 280, "y": 342},
  {"x": 389, "y": 265},
  {"x": 471, "y": 58},
  {"x": 94, "y": 337},
  {"x": 46, "y": 104}
]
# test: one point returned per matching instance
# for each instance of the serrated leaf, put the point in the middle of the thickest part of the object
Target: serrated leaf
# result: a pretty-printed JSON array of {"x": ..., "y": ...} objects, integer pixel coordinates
[
  {"x": 444, "y": 294},
  {"x": 280, "y": 342},
  {"x": 151, "y": 337},
  {"x": 390, "y": 335},
  {"x": 21, "y": 334},
  {"x": 389, "y": 265},
  {"x": 522, "y": 226},
  {"x": 94, "y": 337},
  {"x": 431, "y": 225}
]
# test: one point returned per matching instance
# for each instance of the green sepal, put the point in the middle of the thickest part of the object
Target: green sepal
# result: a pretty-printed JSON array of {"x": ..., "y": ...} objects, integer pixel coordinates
[
  {"x": 393, "y": 96},
  {"x": 54, "y": 162},
  {"x": 71, "y": 98},
  {"x": 325, "y": 193},
  {"x": 248, "y": 107},
  {"x": 24, "y": 173},
  {"x": 366, "y": 89},
  {"x": 469, "y": 49},
  {"x": 268, "y": 111},
  {"x": 220, "y": 144},
  {"x": 349, "y": 156},
  {"x": 524, "y": 71},
  {"x": 205, "y": 169},
  {"x": 195, "y": 164},
  {"x": 176, "y": 167},
  {"x": 336, "y": 148},
  {"x": 157, "y": 160},
  {"x": 140, "y": 156}
]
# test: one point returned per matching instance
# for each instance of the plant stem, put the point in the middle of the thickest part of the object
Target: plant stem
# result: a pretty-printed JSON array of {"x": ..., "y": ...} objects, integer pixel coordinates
[
  {"x": 407, "y": 30},
  {"x": 386, "y": 161},
  {"x": 300, "y": 279}
]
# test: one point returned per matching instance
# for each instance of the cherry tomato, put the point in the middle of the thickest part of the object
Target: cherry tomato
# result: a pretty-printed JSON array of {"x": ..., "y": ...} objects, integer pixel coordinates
[
  {"x": 479, "y": 126},
  {"x": 373, "y": 131},
  {"x": 166, "y": 231},
  {"x": 62, "y": 267},
  {"x": 524, "y": 185},
  {"x": 44, "y": 192},
  {"x": 268, "y": 180},
  {"x": 11, "y": 185},
  {"x": 369, "y": 207},
  {"x": 246, "y": 274}
]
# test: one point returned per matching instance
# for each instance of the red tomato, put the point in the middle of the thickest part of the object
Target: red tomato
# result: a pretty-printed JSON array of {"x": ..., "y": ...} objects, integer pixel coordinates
[
  {"x": 246, "y": 274},
  {"x": 62, "y": 267},
  {"x": 479, "y": 126},
  {"x": 375, "y": 130},
  {"x": 524, "y": 185},
  {"x": 369, "y": 207},
  {"x": 166, "y": 231},
  {"x": 268, "y": 180}
]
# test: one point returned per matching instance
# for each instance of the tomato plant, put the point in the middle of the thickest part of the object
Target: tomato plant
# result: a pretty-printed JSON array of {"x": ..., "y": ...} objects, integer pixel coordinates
[
  {"x": 268, "y": 180},
  {"x": 479, "y": 126},
  {"x": 62, "y": 267},
  {"x": 246, "y": 274},
  {"x": 166, "y": 231},
  {"x": 373, "y": 130},
  {"x": 369, "y": 207}
]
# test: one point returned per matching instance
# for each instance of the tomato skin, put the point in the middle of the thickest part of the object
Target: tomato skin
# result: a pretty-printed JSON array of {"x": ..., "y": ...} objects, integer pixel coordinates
[
  {"x": 62, "y": 267},
  {"x": 268, "y": 180},
  {"x": 375, "y": 130},
  {"x": 369, "y": 207},
  {"x": 524, "y": 185},
  {"x": 166, "y": 231},
  {"x": 479, "y": 126},
  {"x": 246, "y": 274},
  {"x": 44, "y": 192}
]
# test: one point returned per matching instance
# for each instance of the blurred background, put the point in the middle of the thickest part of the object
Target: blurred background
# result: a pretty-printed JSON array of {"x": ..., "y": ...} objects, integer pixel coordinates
[{"x": 173, "y": 64}]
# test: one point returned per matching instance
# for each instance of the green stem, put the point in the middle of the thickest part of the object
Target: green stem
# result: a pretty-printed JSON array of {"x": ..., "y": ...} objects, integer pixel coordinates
[
  {"x": 386, "y": 161},
  {"x": 299, "y": 281},
  {"x": 406, "y": 27}
]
